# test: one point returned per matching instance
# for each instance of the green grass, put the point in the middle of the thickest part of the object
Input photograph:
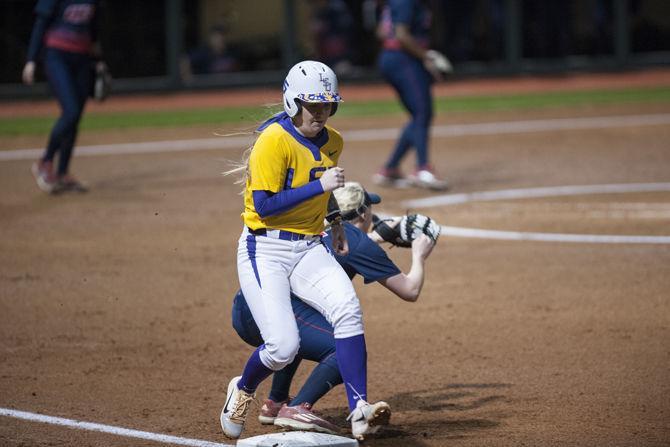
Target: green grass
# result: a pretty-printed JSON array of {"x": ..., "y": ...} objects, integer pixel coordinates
[{"x": 250, "y": 115}]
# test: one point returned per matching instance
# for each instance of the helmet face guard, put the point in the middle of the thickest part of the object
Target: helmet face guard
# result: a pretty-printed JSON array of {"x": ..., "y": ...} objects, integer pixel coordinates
[{"x": 310, "y": 81}]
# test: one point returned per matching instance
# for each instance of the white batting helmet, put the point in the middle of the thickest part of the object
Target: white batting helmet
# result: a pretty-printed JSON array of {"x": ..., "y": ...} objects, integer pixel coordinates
[{"x": 310, "y": 81}]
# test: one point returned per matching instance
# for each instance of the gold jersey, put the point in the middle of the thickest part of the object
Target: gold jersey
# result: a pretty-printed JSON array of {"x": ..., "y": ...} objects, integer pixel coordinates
[{"x": 283, "y": 159}]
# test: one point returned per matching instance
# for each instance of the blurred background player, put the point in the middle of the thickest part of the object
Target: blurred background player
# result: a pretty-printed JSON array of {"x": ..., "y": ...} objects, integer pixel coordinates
[
  {"x": 67, "y": 29},
  {"x": 332, "y": 27},
  {"x": 365, "y": 258},
  {"x": 290, "y": 172},
  {"x": 407, "y": 63},
  {"x": 213, "y": 56}
]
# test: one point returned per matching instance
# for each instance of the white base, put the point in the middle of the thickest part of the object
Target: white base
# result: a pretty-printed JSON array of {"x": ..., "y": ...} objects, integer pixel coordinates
[{"x": 297, "y": 439}]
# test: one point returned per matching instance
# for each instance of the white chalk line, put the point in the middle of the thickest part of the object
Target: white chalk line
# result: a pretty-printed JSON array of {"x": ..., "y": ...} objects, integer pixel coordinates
[
  {"x": 528, "y": 193},
  {"x": 552, "y": 237},
  {"x": 386, "y": 134},
  {"x": 556, "y": 191},
  {"x": 450, "y": 199},
  {"x": 110, "y": 429}
]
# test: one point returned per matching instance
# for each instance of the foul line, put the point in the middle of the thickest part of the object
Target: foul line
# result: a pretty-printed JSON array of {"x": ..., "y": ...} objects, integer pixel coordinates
[
  {"x": 528, "y": 193},
  {"x": 119, "y": 431},
  {"x": 525, "y": 193},
  {"x": 553, "y": 237},
  {"x": 454, "y": 130}
]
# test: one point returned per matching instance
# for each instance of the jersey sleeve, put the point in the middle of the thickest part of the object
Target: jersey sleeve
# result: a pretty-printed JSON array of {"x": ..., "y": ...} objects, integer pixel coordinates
[
  {"x": 268, "y": 164},
  {"x": 269, "y": 205},
  {"x": 365, "y": 257},
  {"x": 335, "y": 145},
  {"x": 35, "y": 44},
  {"x": 371, "y": 262}
]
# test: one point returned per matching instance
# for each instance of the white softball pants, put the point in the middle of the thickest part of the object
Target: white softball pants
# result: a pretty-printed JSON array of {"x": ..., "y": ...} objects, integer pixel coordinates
[{"x": 269, "y": 269}]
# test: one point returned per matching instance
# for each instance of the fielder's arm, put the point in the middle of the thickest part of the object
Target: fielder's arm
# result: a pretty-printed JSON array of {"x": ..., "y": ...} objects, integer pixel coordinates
[
  {"x": 434, "y": 61},
  {"x": 408, "y": 286},
  {"x": 408, "y": 42}
]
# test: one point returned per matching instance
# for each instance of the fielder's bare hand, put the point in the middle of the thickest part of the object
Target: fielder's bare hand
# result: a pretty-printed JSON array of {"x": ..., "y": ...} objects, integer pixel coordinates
[
  {"x": 422, "y": 247},
  {"x": 332, "y": 179}
]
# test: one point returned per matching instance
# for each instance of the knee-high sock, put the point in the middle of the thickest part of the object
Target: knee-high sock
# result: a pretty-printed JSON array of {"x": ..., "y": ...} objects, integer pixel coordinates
[
  {"x": 324, "y": 377},
  {"x": 403, "y": 145},
  {"x": 254, "y": 372},
  {"x": 352, "y": 358},
  {"x": 281, "y": 381}
]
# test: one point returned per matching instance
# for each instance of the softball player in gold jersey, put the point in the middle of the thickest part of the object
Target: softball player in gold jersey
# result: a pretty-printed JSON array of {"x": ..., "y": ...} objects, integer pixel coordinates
[{"x": 291, "y": 172}]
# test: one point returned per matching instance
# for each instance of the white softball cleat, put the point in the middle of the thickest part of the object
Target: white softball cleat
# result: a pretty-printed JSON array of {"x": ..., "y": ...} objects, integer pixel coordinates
[
  {"x": 391, "y": 178},
  {"x": 234, "y": 412},
  {"x": 367, "y": 418},
  {"x": 425, "y": 178}
]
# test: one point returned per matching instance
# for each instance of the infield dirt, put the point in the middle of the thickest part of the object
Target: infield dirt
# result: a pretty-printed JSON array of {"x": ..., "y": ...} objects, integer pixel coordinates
[{"x": 115, "y": 304}]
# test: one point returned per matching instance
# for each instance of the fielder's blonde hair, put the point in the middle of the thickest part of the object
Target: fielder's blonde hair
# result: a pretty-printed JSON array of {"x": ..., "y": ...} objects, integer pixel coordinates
[{"x": 350, "y": 197}]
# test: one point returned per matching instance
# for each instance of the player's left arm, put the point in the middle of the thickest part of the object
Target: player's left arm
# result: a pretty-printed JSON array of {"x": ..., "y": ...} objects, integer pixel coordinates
[
  {"x": 435, "y": 62},
  {"x": 391, "y": 223},
  {"x": 408, "y": 42}
]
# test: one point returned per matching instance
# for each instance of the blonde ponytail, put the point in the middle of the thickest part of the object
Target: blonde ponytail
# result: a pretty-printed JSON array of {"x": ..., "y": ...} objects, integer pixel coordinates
[{"x": 241, "y": 168}]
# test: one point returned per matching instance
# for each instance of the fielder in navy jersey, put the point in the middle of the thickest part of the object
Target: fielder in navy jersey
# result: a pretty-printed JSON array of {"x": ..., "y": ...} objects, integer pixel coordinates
[
  {"x": 407, "y": 63},
  {"x": 365, "y": 258},
  {"x": 67, "y": 31}
]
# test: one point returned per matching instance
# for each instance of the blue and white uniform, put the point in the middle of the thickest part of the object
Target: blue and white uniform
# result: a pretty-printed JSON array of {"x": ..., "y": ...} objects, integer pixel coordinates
[
  {"x": 66, "y": 29},
  {"x": 408, "y": 76}
]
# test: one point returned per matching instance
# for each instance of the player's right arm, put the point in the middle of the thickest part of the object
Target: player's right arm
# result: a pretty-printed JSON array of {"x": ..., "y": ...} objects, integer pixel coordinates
[
  {"x": 370, "y": 261},
  {"x": 268, "y": 168},
  {"x": 408, "y": 286},
  {"x": 43, "y": 11}
]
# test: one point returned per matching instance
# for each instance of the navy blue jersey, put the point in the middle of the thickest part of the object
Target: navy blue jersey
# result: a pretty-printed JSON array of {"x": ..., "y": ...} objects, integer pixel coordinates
[
  {"x": 365, "y": 257},
  {"x": 411, "y": 13},
  {"x": 67, "y": 25}
]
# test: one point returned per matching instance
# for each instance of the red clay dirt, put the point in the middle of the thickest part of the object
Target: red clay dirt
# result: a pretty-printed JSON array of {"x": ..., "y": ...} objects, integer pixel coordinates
[{"x": 115, "y": 305}]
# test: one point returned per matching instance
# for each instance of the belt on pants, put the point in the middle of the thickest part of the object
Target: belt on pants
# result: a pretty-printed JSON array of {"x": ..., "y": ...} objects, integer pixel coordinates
[{"x": 282, "y": 234}]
